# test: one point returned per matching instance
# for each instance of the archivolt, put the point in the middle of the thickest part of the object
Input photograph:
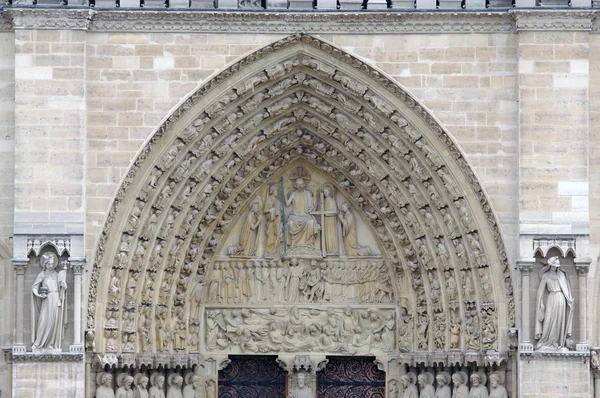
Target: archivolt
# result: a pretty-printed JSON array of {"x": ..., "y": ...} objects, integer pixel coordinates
[{"x": 302, "y": 98}]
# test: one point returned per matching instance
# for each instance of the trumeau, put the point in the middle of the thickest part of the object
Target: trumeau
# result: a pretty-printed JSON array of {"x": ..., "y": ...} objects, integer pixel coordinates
[{"x": 293, "y": 103}]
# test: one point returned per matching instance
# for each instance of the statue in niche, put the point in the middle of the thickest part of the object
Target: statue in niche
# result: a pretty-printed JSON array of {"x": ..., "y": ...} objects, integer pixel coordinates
[
  {"x": 250, "y": 233},
  {"x": 48, "y": 295},
  {"x": 554, "y": 315},
  {"x": 272, "y": 211},
  {"x": 409, "y": 382},
  {"x": 330, "y": 221},
  {"x": 478, "y": 388},
  {"x": 459, "y": 379},
  {"x": 175, "y": 386},
  {"x": 211, "y": 388},
  {"x": 158, "y": 386},
  {"x": 349, "y": 233},
  {"x": 497, "y": 386},
  {"x": 302, "y": 388},
  {"x": 104, "y": 389},
  {"x": 426, "y": 385},
  {"x": 124, "y": 381},
  {"x": 214, "y": 287},
  {"x": 302, "y": 227},
  {"x": 443, "y": 385}
]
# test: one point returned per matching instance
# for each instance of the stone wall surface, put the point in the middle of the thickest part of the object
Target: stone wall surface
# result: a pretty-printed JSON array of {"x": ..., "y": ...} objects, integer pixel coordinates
[{"x": 77, "y": 106}]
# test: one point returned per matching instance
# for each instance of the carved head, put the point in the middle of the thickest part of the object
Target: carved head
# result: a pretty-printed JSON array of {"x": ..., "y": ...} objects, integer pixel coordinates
[
  {"x": 48, "y": 260},
  {"x": 299, "y": 183},
  {"x": 302, "y": 378},
  {"x": 273, "y": 190},
  {"x": 475, "y": 379},
  {"x": 141, "y": 381},
  {"x": 127, "y": 382},
  {"x": 107, "y": 380},
  {"x": 554, "y": 262}
]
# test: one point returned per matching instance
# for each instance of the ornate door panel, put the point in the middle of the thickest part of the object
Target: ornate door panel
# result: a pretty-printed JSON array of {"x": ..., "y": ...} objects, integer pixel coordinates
[
  {"x": 252, "y": 377},
  {"x": 351, "y": 377}
]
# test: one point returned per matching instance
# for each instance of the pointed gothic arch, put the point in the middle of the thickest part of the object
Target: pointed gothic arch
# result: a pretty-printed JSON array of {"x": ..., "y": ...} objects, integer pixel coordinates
[{"x": 302, "y": 99}]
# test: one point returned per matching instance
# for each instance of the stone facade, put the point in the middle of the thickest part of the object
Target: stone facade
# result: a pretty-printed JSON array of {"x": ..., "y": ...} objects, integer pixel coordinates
[{"x": 86, "y": 95}]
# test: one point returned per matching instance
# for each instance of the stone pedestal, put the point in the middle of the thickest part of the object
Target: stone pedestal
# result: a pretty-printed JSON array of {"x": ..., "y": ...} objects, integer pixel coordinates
[
  {"x": 48, "y": 375},
  {"x": 129, "y": 3},
  {"x": 350, "y": 4},
  {"x": 301, "y": 5},
  {"x": 326, "y": 4},
  {"x": 179, "y": 3},
  {"x": 377, "y": 5},
  {"x": 555, "y": 374},
  {"x": 209, "y": 4},
  {"x": 227, "y": 4},
  {"x": 278, "y": 4}
]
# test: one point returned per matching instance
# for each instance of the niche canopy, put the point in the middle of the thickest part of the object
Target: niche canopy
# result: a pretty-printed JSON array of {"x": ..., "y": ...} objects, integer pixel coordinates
[{"x": 205, "y": 175}]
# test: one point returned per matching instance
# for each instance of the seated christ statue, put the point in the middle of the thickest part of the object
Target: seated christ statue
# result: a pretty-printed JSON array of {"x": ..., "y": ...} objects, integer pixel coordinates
[{"x": 302, "y": 227}]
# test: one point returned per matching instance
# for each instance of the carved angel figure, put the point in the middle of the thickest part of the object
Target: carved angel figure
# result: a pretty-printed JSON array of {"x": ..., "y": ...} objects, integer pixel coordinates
[{"x": 48, "y": 295}]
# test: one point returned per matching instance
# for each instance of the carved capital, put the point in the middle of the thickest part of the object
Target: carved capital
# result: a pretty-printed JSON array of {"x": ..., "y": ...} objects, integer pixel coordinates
[
  {"x": 582, "y": 265},
  {"x": 20, "y": 265},
  {"x": 525, "y": 266},
  {"x": 77, "y": 265}
]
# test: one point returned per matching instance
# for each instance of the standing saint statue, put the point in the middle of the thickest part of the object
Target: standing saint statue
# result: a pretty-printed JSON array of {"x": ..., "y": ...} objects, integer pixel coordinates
[
  {"x": 49, "y": 304},
  {"x": 250, "y": 233},
  {"x": 272, "y": 211},
  {"x": 349, "y": 233},
  {"x": 302, "y": 227},
  {"x": 554, "y": 315},
  {"x": 330, "y": 221}
]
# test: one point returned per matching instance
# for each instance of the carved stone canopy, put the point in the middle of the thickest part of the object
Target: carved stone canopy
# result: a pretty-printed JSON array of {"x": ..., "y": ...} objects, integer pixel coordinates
[{"x": 301, "y": 101}]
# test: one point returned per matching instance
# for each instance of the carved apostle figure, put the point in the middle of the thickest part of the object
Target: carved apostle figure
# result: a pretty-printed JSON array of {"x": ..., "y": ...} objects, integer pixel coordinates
[
  {"x": 125, "y": 390},
  {"x": 302, "y": 389},
  {"x": 272, "y": 211},
  {"x": 104, "y": 389},
  {"x": 497, "y": 383},
  {"x": 459, "y": 379},
  {"x": 49, "y": 296},
  {"x": 554, "y": 314},
  {"x": 175, "y": 386},
  {"x": 350, "y": 234},
  {"x": 409, "y": 382},
  {"x": 302, "y": 227},
  {"x": 141, "y": 386},
  {"x": 193, "y": 388},
  {"x": 426, "y": 385},
  {"x": 158, "y": 386},
  {"x": 478, "y": 388},
  {"x": 443, "y": 385}
]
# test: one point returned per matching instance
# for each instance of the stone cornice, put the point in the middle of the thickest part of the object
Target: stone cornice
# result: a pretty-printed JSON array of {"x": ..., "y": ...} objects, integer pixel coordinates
[
  {"x": 570, "y": 20},
  {"x": 545, "y": 355},
  {"x": 62, "y": 357},
  {"x": 388, "y": 22}
]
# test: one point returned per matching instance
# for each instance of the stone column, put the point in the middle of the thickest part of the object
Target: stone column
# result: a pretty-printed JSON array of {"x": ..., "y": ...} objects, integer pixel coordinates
[
  {"x": 582, "y": 266},
  {"x": 77, "y": 266},
  {"x": 20, "y": 268},
  {"x": 525, "y": 266}
]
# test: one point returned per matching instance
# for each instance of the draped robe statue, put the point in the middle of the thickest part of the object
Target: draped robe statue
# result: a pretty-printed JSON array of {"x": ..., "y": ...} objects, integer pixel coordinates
[
  {"x": 349, "y": 232},
  {"x": 272, "y": 212},
  {"x": 554, "y": 317},
  {"x": 330, "y": 222},
  {"x": 48, "y": 294},
  {"x": 302, "y": 227},
  {"x": 249, "y": 235},
  {"x": 302, "y": 390}
]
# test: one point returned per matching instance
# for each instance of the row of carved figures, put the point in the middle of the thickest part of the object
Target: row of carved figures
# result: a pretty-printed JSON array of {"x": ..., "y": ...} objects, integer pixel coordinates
[
  {"x": 156, "y": 385},
  {"x": 299, "y": 281},
  {"x": 425, "y": 385}
]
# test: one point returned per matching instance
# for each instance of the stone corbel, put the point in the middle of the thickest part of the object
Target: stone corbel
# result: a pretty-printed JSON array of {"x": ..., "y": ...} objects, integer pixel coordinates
[{"x": 525, "y": 265}]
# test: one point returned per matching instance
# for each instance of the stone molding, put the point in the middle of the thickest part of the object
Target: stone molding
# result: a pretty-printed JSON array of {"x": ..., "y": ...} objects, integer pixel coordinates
[
  {"x": 559, "y": 355},
  {"x": 62, "y": 357},
  {"x": 388, "y": 22},
  {"x": 553, "y": 20}
]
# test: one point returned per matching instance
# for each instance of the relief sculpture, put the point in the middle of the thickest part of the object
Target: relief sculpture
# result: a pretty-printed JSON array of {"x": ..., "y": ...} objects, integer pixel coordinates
[{"x": 297, "y": 329}]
